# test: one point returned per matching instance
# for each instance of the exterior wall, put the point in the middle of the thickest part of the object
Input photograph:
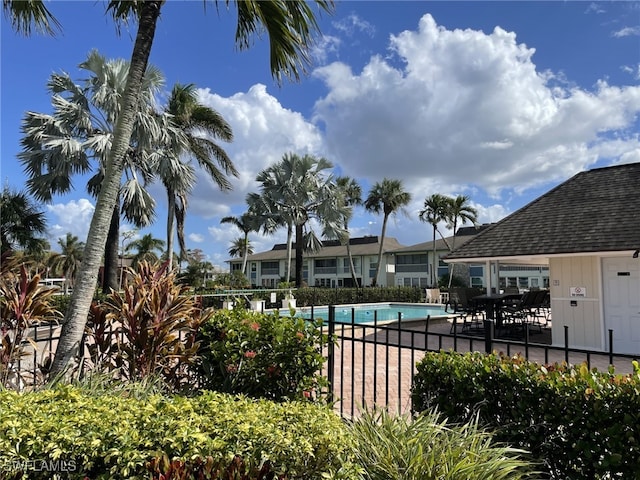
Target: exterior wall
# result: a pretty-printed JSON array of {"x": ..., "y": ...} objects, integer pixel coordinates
[
  {"x": 365, "y": 266},
  {"x": 584, "y": 318}
]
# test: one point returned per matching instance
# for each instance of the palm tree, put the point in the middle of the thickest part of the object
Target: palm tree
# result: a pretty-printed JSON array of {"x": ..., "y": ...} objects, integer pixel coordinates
[
  {"x": 70, "y": 258},
  {"x": 290, "y": 26},
  {"x": 459, "y": 209},
  {"x": 352, "y": 193},
  {"x": 241, "y": 247},
  {"x": 21, "y": 224},
  {"x": 145, "y": 248},
  {"x": 200, "y": 125},
  {"x": 57, "y": 146},
  {"x": 387, "y": 197},
  {"x": 296, "y": 190},
  {"x": 436, "y": 209},
  {"x": 247, "y": 222}
]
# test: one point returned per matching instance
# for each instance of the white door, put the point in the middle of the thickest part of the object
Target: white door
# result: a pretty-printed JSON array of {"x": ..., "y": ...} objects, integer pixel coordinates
[{"x": 621, "y": 280}]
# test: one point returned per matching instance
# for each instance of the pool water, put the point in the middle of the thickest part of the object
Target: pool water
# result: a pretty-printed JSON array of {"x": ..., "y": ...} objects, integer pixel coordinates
[{"x": 382, "y": 312}]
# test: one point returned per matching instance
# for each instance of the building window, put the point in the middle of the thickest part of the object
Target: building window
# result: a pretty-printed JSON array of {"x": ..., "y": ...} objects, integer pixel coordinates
[
  {"x": 523, "y": 282},
  {"x": 270, "y": 268},
  {"x": 476, "y": 271}
]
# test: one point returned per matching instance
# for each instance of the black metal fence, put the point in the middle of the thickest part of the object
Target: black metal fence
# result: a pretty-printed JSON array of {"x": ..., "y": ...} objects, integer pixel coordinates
[
  {"x": 369, "y": 363},
  {"x": 374, "y": 363}
]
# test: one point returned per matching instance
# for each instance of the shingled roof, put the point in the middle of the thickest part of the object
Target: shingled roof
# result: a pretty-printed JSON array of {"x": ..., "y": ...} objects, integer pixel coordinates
[{"x": 594, "y": 211}]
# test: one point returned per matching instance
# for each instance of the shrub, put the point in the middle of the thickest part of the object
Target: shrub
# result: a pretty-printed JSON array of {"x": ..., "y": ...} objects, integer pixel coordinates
[
  {"x": 582, "y": 423},
  {"x": 24, "y": 304},
  {"x": 338, "y": 296},
  {"x": 262, "y": 355},
  {"x": 427, "y": 448},
  {"x": 116, "y": 436},
  {"x": 149, "y": 329}
]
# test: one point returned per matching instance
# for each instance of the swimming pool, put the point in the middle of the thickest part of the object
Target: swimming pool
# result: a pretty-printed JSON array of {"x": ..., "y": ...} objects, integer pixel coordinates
[{"x": 368, "y": 313}]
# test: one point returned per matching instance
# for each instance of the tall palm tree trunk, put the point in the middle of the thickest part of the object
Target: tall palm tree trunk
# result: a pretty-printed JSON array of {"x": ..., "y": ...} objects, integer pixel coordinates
[
  {"x": 245, "y": 253},
  {"x": 171, "y": 214},
  {"x": 352, "y": 268},
  {"x": 110, "y": 271},
  {"x": 289, "y": 240},
  {"x": 299, "y": 250},
  {"x": 382, "y": 234},
  {"x": 76, "y": 316},
  {"x": 434, "y": 270}
]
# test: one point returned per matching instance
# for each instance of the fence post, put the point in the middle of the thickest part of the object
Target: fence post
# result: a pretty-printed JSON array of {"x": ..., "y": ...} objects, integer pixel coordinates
[
  {"x": 488, "y": 335},
  {"x": 331, "y": 351},
  {"x": 610, "y": 347}
]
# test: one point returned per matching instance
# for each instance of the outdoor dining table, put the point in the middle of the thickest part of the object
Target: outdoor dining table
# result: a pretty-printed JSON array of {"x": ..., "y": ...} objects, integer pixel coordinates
[{"x": 493, "y": 304}]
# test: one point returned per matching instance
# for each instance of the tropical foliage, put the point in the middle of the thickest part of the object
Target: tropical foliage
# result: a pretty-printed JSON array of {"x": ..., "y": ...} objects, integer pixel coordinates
[
  {"x": 262, "y": 355},
  {"x": 148, "y": 330},
  {"x": 295, "y": 191},
  {"x": 145, "y": 249},
  {"x": 290, "y": 27},
  {"x": 24, "y": 304},
  {"x": 247, "y": 222},
  {"x": 351, "y": 193},
  {"x": 22, "y": 223},
  {"x": 128, "y": 435},
  {"x": 578, "y": 423},
  {"x": 429, "y": 447},
  {"x": 200, "y": 125},
  {"x": 67, "y": 262}
]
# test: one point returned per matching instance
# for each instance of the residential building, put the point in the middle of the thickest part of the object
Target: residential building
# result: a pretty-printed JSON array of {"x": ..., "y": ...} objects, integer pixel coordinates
[{"x": 328, "y": 267}]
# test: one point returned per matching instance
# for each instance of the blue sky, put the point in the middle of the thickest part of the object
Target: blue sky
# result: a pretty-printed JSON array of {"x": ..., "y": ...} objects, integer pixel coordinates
[{"x": 500, "y": 101}]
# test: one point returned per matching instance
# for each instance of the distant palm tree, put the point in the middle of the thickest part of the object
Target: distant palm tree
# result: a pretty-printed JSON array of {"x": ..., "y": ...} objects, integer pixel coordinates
[
  {"x": 436, "y": 209},
  {"x": 247, "y": 222},
  {"x": 21, "y": 223},
  {"x": 459, "y": 210},
  {"x": 200, "y": 125},
  {"x": 297, "y": 189},
  {"x": 352, "y": 195},
  {"x": 241, "y": 247},
  {"x": 387, "y": 197},
  {"x": 146, "y": 248},
  {"x": 69, "y": 259}
]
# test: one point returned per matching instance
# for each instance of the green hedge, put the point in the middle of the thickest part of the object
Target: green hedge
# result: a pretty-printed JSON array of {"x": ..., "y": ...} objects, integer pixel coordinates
[
  {"x": 337, "y": 296},
  {"x": 262, "y": 355},
  {"x": 114, "y": 436},
  {"x": 581, "y": 424}
]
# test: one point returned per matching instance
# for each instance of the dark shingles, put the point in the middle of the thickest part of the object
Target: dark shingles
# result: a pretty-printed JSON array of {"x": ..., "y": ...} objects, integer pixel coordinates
[{"x": 594, "y": 211}]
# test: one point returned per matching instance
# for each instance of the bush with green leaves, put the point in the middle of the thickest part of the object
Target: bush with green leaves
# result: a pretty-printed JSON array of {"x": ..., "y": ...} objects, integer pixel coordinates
[
  {"x": 262, "y": 355},
  {"x": 390, "y": 447},
  {"x": 120, "y": 435},
  {"x": 339, "y": 296},
  {"x": 581, "y": 423}
]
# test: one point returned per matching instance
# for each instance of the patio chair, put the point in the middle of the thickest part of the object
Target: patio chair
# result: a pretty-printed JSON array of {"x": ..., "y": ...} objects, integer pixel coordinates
[{"x": 461, "y": 305}]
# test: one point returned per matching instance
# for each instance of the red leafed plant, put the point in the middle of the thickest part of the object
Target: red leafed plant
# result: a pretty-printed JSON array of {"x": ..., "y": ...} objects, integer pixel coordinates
[
  {"x": 24, "y": 304},
  {"x": 147, "y": 330}
]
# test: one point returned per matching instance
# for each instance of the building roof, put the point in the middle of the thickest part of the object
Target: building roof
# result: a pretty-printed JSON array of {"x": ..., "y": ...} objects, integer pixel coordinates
[
  {"x": 332, "y": 248},
  {"x": 591, "y": 212},
  {"x": 463, "y": 236}
]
